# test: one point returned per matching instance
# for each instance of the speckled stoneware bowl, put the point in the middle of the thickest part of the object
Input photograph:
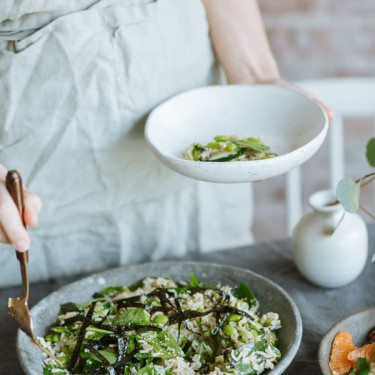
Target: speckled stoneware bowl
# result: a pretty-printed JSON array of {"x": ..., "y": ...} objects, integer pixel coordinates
[
  {"x": 293, "y": 126},
  {"x": 271, "y": 297},
  {"x": 358, "y": 325}
]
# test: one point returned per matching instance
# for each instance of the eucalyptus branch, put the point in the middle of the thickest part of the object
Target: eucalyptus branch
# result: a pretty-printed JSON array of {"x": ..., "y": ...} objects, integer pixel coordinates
[
  {"x": 365, "y": 177},
  {"x": 367, "y": 212}
]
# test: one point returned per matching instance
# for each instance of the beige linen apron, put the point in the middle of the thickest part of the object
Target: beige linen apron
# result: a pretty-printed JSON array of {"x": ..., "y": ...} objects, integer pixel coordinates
[{"x": 77, "y": 85}]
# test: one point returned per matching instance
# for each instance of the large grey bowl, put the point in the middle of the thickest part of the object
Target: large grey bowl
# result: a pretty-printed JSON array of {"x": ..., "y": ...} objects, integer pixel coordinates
[
  {"x": 358, "y": 325},
  {"x": 271, "y": 297}
]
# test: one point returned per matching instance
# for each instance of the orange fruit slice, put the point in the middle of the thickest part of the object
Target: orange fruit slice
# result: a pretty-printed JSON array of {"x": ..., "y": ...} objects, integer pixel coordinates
[
  {"x": 342, "y": 345},
  {"x": 366, "y": 351}
]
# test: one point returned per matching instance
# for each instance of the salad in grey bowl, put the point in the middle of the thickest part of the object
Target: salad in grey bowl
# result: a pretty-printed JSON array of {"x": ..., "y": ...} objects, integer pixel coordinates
[{"x": 163, "y": 319}]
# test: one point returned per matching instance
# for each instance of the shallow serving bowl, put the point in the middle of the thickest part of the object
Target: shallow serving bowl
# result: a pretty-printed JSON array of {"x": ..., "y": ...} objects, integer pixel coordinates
[
  {"x": 291, "y": 124},
  {"x": 358, "y": 325},
  {"x": 271, "y": 297}
]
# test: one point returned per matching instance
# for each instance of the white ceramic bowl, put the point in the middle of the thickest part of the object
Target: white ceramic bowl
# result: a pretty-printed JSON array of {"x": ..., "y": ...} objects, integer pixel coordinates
[{"x": 293, "y": 126}]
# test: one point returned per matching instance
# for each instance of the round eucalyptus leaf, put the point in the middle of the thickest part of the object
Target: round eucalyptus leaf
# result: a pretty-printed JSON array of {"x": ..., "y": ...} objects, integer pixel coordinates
[
  {"x": 370, "y": 152},
  {"x": 347, "y": 193}
]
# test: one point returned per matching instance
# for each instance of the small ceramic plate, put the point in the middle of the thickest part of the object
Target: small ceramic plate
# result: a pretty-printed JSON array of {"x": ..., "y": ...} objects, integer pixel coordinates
[
  {"x": 358, "y": 325},
  {"x": 292, "y": 125},
  {"x": 270, "y": 296}
]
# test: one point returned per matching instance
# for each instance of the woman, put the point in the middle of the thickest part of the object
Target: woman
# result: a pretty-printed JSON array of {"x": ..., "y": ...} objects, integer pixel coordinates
[{"x": 79, "y": 82}]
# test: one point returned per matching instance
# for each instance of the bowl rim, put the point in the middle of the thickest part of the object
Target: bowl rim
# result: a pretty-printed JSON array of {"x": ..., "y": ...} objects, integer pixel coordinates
[
  {"x": 279, "y": 367},
  {"x": 265, "y": 162}
]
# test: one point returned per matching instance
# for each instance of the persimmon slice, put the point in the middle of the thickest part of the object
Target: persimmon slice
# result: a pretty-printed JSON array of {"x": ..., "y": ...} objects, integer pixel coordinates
[{"x": 342, "y": 345}]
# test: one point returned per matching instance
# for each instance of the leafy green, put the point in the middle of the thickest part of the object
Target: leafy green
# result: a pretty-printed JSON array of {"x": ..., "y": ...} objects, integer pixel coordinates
[
  {"x": 61, "y": 329},
  {"x": 109, "y": 356},
  {"x": 194, "y": 283},
  {"x": 255, "y": 146},
  {"x": 252, "y": 347},
  {"x": 134, "y": 316},
  {"x": 112, "y": 291},
  {"x": 370, "y": 152},
  {"x": 136, "y": 285},
  {"x": 228, "y": 157},
  {"x": 244, "y": 369},
  {"x": 163, "y": 346},
  {"x": 363, "y": 367},
  {"x": 243, "y": 291},
  {"x": 348, "y": 193}
]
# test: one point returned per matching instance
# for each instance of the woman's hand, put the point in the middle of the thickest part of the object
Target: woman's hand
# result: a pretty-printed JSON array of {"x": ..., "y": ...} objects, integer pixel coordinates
[
  {"x": 242, "y": 47},
  {"x": 11, "y": 227}
]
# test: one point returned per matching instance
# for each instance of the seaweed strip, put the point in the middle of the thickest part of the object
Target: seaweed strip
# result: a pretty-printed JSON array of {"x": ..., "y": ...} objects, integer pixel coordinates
[
  {"x": 103, "y": 369},
  {"x": 185, "y": 315},
  {"x": 81, "y": 336},
  {"x": 68, "y": 307},
  {"x": 124, "y": 303},
  {"x": 128, "y": 327}
]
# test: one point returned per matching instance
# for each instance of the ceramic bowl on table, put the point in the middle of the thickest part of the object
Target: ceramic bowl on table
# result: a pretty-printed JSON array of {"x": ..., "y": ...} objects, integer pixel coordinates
[
  {"x": 271, "y": 298},
  {"x": 292, "y": 125},
  {"x": 358, "y": 325}
]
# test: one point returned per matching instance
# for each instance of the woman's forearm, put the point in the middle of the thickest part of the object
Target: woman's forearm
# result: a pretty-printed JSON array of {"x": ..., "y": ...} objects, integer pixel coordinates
[{"x": 240, "y": 41}]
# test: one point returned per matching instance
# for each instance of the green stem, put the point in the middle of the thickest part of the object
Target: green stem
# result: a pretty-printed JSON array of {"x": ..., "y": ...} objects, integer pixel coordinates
[{"x": 367, "y": 212}]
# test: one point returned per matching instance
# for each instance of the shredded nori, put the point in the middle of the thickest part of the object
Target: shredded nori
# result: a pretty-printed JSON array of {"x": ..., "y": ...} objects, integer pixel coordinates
[{"x": 81, "y": 336}]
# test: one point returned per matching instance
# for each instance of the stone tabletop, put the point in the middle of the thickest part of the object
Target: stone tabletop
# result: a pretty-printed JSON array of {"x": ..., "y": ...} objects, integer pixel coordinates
[{"x": 319, "y": 308}]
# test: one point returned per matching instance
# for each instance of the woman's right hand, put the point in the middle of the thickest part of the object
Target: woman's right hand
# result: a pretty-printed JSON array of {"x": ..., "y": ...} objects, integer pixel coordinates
[{"x": 12, "y": 230}]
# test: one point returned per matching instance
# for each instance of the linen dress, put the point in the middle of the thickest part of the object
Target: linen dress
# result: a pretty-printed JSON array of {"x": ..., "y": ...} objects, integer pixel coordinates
[{"x": 78, "y": 79}]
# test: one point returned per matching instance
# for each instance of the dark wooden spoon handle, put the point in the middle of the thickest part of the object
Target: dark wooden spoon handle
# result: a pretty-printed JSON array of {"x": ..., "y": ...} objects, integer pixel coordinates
[{"x": 13, "y": 184}]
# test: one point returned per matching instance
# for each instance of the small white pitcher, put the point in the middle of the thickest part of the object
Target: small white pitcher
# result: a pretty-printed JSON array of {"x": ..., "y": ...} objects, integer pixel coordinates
[{"x": 324, "y": 258}]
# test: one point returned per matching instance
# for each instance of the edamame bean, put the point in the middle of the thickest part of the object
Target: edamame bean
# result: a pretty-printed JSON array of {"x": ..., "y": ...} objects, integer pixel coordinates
[
  {"x": 56, "y": 338},
  {"x": 221, "y": 138},
  {"x": 231, "y": 146},
  {"x": 234, "y": 318},
  {"x": 161, "y": 319},
  {"x": 49, "y": 338},
  {"x": 229, "y": 330},
  {"x": 243, "y": 335},
  {"x": 213, "y": 145},
  {"x": 196, "y": 155}
]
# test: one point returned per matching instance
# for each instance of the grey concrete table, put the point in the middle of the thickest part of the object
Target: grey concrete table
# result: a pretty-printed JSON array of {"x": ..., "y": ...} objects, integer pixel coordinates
[{"x": 320, "y": 308}]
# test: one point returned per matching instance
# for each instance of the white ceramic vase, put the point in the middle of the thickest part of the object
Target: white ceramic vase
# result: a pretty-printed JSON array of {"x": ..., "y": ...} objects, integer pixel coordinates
[{"x": 325, "y": 259}]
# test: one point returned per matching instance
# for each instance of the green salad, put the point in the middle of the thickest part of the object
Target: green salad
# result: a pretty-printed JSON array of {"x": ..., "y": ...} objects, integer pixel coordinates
[
  {"x": 162, "y": 327},
  {"x": 229, "y": 148}
]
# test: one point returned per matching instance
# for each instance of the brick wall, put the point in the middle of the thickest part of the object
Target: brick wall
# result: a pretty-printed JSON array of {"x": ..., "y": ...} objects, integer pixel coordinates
[
  {"x": 321, "y": 38},
  {"x": 313, "y": 39}
]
